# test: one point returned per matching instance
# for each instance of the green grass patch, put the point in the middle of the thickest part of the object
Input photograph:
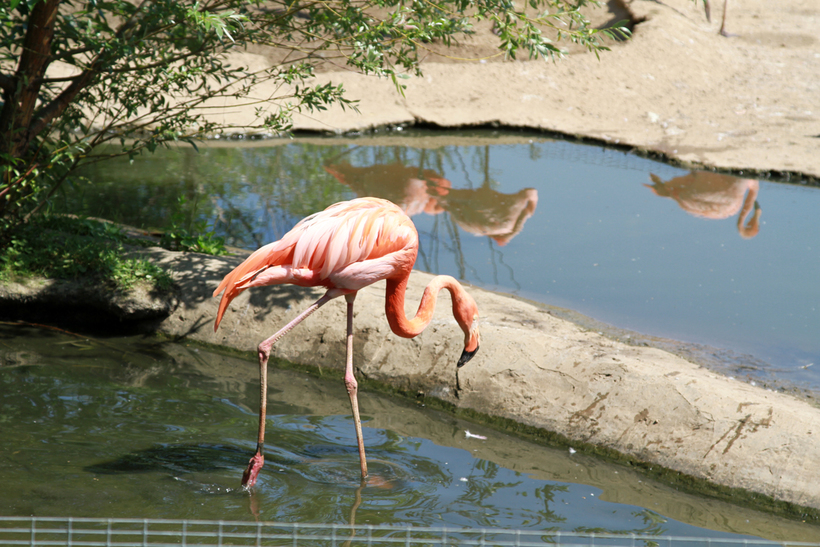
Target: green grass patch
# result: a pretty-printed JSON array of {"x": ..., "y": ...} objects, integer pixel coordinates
[
  {"x": 187, "y": 235},
  {"x": 178, "y": 239},
  {"x": 62, "y": 247}
]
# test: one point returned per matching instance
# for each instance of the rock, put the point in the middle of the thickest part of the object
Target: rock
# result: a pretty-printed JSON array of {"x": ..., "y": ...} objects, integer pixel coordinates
[{"x": 80, "y": 302}]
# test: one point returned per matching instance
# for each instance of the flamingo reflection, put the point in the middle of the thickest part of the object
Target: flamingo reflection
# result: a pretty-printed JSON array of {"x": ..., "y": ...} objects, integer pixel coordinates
[
  {"x": 482, "y": 211},
  {"x": 414, "y": 190},
  {"x": 712, "y": 195},
  {"x": 485, "y": 212}
]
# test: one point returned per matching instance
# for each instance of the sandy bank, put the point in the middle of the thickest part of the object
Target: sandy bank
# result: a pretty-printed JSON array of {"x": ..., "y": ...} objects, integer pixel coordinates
[
  {"x": 677, "y": 88},
  {"x": 534, "y": 369}
]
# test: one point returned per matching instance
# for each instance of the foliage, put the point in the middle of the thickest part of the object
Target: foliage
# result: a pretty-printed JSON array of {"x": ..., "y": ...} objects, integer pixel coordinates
[
  {"x": 190, "y": 235},
  {"x": 76, "y": 74},
  {"x": 71, "y": 248}
]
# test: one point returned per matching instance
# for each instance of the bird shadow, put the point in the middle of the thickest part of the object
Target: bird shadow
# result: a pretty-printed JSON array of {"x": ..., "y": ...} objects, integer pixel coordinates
[
  {"x": 175, "y": 459},
  {"x": 196, "y": 277}
]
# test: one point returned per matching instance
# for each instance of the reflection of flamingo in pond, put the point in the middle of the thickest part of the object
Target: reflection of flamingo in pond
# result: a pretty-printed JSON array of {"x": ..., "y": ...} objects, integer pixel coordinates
[
  {"x": 485, "y": 212},
  {"x": 345, "y": 248},
  {"x": 482, "y": 211},
  {"x": 712, "y": 195},
  {"x": 413, "y": 189}
]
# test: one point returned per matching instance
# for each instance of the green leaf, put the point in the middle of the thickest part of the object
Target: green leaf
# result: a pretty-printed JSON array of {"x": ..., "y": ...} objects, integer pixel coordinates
[{"x": 155, "y": 67}]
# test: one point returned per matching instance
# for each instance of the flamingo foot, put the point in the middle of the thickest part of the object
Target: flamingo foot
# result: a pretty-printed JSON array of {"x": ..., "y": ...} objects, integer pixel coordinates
[{"x": 254, "y": 466}]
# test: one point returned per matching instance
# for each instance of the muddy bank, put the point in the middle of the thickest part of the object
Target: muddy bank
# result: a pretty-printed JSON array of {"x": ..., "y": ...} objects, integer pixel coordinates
[
  {"x": 534, "y": 372},
  {"x": 534, "y": 369}
]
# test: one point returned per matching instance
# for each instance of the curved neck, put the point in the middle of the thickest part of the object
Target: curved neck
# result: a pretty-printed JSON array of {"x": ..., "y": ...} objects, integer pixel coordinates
[
  {"x": 753, "y": 226},
  {"x": 394, "y": 304}
]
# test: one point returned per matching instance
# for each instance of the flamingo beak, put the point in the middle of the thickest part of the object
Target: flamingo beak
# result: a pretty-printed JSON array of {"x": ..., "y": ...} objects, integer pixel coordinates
[{"x": 466, "y": 356}]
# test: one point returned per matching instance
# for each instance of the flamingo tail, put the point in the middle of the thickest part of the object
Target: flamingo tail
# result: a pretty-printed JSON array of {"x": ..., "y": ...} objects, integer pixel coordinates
[{"x": 243, "y": 275}]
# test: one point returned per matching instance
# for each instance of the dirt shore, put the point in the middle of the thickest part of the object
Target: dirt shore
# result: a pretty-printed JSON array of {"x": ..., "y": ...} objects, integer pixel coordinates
[
  {"x": 638, "y": 404},
  {"x": 678, "y": 89}
]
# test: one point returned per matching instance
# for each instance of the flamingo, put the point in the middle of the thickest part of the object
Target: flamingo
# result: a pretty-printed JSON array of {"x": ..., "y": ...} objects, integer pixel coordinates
[{"x": 346, "y": 247}]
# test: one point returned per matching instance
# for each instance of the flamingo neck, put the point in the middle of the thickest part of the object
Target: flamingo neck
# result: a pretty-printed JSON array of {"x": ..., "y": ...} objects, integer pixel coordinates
[
  {"x": 394, "y": 304},
  {"x": 753, "y": 226}
]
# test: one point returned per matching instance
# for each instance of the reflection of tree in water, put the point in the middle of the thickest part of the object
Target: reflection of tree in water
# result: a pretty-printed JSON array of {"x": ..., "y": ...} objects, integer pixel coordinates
[
  {"x": 481, "y": 486},
  {"x": 270, "y": 190},
  {"x": 547, "y": 495},
  {"x": 482, "y": 211},
  {"x": 248, "y": 195},
  {"x": 145, "y": 193},
  {"x": 254, "y": 195}
]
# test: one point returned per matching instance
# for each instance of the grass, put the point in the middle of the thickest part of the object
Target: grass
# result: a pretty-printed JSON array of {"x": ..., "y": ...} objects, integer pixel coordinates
[
  {"x": 179, "y": 239},
  {"x": 188, "y": 235},
  {"x": 62, "y": 247}
]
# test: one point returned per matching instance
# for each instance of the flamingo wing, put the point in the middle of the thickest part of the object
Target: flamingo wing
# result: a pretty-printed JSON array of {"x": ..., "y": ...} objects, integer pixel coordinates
[{"x": 349, "y": 245}]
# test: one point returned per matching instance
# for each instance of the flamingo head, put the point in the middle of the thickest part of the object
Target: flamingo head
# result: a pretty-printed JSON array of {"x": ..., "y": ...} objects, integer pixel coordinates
[{"x": 466, "y": 314}]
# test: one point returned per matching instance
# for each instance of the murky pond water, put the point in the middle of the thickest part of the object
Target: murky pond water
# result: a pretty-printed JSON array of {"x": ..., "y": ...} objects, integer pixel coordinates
[
  {"x": 728, "y": 265},
  {"x": 137, "y": 428}
]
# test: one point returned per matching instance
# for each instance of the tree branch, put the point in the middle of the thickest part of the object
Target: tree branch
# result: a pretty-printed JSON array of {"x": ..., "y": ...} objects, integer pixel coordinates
[
  {"x": 6, "y": 83},
  {"x": 20, "y": 100},
  {"x": 58, "y": 105}
]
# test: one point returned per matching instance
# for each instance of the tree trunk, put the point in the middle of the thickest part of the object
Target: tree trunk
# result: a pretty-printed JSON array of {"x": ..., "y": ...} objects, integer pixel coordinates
[
  {"x": 21, "y": 95},
  {"x": 20, "y": 92}
]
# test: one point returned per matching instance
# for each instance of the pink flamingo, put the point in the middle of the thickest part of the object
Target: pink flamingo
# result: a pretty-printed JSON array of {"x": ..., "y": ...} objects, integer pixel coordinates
[{"x": 346, "y": 247}]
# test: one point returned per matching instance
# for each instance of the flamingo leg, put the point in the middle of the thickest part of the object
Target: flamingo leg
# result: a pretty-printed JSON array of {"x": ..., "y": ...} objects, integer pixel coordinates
[
  {"x": 723, "y": 20},
  {"x": 353, "y": 386},
  {"x": 258, "y": 460}
]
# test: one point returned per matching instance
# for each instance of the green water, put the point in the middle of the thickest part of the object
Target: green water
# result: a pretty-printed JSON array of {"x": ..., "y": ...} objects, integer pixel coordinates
[{"x": 136, "y": 428}]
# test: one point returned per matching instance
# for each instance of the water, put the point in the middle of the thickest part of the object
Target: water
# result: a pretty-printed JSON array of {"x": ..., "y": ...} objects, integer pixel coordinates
[
  {"x": 136, "y": 428},
  {"x": 623, "y": 240}
]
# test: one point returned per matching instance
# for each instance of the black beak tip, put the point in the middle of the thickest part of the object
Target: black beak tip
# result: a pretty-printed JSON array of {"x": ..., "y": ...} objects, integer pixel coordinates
[{"x": 465, "y": 357}]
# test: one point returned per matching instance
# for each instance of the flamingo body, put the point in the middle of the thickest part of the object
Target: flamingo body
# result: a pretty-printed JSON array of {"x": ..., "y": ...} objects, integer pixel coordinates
[{"x": 345, "y": 248}]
